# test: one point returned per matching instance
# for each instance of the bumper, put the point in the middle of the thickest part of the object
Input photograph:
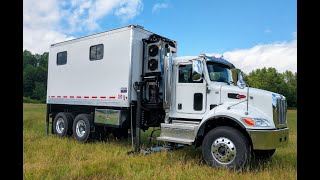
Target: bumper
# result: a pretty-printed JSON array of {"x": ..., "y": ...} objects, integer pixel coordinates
[{"x": 269, "y": 139}]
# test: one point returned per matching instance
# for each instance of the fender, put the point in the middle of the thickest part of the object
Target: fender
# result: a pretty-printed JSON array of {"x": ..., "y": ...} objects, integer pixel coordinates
[
  {"x": 200, "y": 131},
  {"x": 235, "y": 114}
]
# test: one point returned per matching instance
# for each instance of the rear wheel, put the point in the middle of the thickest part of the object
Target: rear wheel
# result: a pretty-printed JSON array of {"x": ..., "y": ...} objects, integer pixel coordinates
[
  {"x": 62, "y": 124},
  {"x": 226, "y": 147},
  {"x": 263, "y": 154},
  {"x": 82, "y": 127}
]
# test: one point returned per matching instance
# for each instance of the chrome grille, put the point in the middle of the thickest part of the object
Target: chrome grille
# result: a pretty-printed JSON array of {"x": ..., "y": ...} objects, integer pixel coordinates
[{"x": 280, "y": 111}]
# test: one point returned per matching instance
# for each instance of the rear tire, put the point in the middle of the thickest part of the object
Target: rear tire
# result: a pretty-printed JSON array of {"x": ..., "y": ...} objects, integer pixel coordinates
[
  {"x": 226, "y": 147},
  {"x": 263, "y": 154},
  {"x": 62, "y": 124},
  {"x": 82, "y": 127}
]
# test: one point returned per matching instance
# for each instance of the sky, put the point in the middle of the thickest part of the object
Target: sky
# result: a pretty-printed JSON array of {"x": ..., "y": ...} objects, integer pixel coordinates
[{"x": 249, "y": 33}]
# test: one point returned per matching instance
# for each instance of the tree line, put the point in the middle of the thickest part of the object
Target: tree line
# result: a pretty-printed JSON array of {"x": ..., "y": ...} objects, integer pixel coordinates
[{"x": 35, "y": 72}]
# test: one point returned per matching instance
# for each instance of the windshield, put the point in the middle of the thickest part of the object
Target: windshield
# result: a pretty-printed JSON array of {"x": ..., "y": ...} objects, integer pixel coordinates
[{"x": 219, "y": 72}]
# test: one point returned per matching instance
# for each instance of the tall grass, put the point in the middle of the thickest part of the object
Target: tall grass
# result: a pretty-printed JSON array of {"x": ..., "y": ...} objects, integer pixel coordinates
[{"x": 56, "y": 158}]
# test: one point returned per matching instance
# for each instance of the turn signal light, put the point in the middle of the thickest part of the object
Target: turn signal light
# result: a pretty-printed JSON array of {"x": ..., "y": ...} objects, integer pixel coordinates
[{"x": 248, "y": 121}]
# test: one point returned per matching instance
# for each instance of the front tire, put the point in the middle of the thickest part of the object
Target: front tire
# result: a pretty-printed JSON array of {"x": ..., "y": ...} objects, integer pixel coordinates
[
  {"x": 226, "y": 147},
  {"x": 82, "y": 127}
]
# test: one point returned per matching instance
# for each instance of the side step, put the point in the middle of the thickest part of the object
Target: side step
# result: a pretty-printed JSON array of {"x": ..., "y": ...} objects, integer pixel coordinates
[
  {"x": 175, "y": 140},
  {"x": 179, "y": 132}
]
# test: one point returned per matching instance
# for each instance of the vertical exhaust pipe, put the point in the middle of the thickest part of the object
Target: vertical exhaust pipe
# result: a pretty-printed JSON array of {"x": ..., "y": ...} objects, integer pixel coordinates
[{"x": 138, "y": 88}]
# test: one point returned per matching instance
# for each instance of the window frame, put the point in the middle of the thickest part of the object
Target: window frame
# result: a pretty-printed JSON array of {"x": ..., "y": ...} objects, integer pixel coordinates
[
  {"x": 66, "y": 58},
  {"x": 95, "y": 46},
  {"x": 220, "y": 66},
  {"x": 192, "y": 82}
]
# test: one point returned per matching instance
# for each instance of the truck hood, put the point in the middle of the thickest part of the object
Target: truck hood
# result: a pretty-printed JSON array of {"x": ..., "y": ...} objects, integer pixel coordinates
[{"x": 258, "y": 98}]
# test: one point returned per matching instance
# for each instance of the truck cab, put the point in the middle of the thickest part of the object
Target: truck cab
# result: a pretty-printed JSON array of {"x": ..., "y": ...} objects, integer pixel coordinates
[{"x": 213, "y": 107}]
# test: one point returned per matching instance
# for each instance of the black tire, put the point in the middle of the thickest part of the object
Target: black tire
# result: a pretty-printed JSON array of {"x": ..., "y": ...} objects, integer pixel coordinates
[
  {"x": 263, "y": 154},
  {"x": 84, "y": 127},
  {"x": 62, "y": 124},
  {"x": 230, "y": 144}
]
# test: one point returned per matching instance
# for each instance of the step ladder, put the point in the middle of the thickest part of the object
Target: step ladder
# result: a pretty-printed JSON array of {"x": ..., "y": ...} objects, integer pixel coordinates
[{"x": 182, "y": 132}]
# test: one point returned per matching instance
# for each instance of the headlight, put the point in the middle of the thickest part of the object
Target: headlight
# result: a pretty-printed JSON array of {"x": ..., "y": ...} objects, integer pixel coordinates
[{"x": 257, "y": 122}]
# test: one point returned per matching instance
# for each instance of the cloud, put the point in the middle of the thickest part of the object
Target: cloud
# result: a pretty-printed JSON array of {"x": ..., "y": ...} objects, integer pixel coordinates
[
  {"x": 50, "y": 21},
  {"x": 158, "y": 6},
  {"x": 39, "y": 40},
  {"x": 129, "y": 9},
  {"x": 280, "y": 55}
]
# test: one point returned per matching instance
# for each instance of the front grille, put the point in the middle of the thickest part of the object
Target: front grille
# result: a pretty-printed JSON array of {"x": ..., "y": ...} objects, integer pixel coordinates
[
  {"x": 279, "y": 105},
  {"x": 282, "y": 111}
]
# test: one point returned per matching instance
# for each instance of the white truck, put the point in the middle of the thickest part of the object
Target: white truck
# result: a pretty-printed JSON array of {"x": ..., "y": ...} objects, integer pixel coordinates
[{"x": 131, "y": 79}]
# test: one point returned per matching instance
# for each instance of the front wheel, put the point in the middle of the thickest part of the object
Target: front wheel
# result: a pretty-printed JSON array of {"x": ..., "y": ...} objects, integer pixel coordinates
[{"x": 226, "y": 147}]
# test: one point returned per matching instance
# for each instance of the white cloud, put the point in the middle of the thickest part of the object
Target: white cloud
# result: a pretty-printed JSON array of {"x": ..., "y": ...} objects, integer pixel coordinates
[
  {"x": 158, "y": 6},
  {"x": 39, "y": 40},
  {"x": 129, "y": 9},
  {"x": 280, "y": 55},
  {"x": 50, "y": 21}
]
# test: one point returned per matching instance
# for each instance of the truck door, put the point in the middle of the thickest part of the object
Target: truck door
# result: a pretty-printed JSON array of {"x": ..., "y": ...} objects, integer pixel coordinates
[{"x": 190, "y": 95}]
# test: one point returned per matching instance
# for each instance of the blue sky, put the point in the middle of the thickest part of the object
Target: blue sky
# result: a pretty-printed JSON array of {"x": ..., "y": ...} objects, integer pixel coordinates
[{"x": 244, "y": 31}]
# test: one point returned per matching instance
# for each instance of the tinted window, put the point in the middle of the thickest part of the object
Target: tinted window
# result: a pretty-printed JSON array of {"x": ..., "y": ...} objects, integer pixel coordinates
[
  {"x": 185, "y": 74},
  {"x": 62, "y": 58},
  {"x": 96, "y": 52}
]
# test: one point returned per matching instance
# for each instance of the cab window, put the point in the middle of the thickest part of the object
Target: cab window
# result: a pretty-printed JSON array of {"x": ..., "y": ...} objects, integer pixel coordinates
[{"x": 185, "y": 74}]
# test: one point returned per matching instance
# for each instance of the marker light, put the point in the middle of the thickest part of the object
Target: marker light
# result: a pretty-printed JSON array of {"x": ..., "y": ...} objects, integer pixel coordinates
[{"x": 248, "y": 121}]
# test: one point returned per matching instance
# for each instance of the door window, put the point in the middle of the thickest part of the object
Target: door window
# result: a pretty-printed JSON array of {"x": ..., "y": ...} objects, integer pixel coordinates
[{"x": 185, "y": 74}]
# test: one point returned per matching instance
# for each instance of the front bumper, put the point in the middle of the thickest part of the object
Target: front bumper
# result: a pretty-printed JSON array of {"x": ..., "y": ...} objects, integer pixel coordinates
[{"x": 269, "y": 139}]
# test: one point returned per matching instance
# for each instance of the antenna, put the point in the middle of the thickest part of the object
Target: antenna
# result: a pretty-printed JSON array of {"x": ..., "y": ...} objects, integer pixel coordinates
[{"x": 246, "y": 113}]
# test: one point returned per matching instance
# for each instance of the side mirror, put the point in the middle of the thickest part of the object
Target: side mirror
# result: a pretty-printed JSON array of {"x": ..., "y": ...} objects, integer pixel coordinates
[
  {"x": 197, "y": 70},
  {"x": 234, "y": 73},
  {"x": 237, "y": 77},
  {"x": 240, "y": 83}
]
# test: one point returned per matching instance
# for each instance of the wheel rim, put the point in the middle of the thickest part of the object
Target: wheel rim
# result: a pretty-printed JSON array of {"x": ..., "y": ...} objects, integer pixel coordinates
[
  {"x": 60, "y": 125},
  {"x": 80, "y": 128},
  {"x": 223, "y": 150}
]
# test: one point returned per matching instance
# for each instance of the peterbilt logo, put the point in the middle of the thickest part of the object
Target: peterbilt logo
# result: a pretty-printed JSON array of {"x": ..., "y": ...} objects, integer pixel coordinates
[{"x": 236, "y": 96}]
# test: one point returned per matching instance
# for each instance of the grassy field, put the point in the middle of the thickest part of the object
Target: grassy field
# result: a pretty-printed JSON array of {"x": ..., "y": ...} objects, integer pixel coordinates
[{"x": 56, "y": 158}]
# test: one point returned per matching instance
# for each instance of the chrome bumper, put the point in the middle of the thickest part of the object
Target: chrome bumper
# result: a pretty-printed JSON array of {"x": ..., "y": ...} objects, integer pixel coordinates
[{"x": 269, "y": 139}]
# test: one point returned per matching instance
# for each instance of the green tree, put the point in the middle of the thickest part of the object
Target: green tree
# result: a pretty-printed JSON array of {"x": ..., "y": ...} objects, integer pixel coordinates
[
  {"x": 35, "y": 70},
  {"x": 291, "y": 88},
  {"x": 40, "y": 91}
]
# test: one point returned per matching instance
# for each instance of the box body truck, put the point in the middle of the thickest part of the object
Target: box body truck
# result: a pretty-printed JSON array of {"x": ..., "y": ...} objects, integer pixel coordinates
[{"x": 130, "y": 79}]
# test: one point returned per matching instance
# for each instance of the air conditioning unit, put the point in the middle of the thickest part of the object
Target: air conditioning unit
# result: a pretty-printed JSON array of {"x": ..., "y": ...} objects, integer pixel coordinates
[{"x": 154, "y": 51}]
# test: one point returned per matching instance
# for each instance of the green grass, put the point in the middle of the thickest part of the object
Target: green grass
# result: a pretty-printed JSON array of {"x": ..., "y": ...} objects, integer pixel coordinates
[{"x": 56, "y": 158}]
